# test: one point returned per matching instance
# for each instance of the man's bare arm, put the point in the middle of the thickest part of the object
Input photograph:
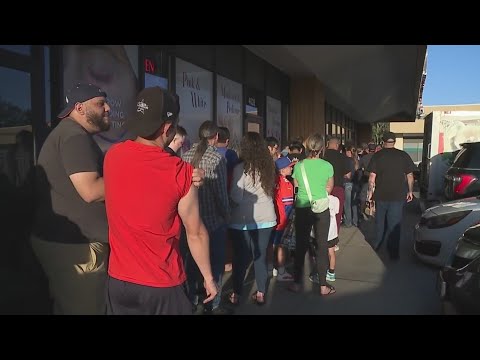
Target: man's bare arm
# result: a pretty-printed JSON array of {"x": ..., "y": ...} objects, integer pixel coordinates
[
  {"x": 371, "y": 185},
  {"x": 329, "y": 186},
  {"x": 89, "y": 185},
  {"x": 410, "y": 181},
  {"x": 197, "y": 238}
]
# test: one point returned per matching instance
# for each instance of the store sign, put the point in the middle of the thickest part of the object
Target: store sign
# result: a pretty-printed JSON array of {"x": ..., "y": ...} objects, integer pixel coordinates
[
  {"x": 229, "y": 108},
  {"x": 274, "y": 118},
  {"x": 194, "y": 88}
]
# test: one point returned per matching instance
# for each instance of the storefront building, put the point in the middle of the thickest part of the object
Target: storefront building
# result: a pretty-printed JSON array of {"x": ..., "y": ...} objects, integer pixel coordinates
[{"x": 277, "y": 90}]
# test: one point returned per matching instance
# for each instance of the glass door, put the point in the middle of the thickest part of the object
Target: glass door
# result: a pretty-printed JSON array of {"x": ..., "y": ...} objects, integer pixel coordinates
[{"x": 22, "y": 105}]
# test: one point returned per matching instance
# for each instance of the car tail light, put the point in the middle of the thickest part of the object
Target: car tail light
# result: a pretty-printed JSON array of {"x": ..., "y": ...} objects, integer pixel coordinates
[{"x": 462, "y": 182}]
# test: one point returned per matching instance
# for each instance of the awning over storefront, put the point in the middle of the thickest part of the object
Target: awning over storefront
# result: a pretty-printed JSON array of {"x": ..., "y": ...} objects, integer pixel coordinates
[{"x": 370, "y": 83}]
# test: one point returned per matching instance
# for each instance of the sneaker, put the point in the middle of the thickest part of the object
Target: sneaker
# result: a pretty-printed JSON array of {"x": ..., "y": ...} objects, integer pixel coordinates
[
  {"x": 337, "y": 248},
  {"x": 314, "y": 278},
  {"x": 275, "y": 272},
  {"x": 285, "y": 276},
  {"x": 330, "y": 276}
]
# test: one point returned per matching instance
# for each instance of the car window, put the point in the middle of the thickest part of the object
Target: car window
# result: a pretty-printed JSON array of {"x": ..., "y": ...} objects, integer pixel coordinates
[{"x": 468, "y": 157}]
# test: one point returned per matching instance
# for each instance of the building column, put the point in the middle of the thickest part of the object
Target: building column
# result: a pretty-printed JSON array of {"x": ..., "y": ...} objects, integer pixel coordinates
[{"x": 307, "y": 107}]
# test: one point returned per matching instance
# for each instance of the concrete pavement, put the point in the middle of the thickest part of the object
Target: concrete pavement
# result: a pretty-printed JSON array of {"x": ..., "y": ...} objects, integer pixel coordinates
[{"x": 366, "y": 282}]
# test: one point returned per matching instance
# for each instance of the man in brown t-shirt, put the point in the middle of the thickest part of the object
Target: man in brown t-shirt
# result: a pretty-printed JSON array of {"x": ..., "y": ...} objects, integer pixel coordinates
[{"x": 70, "y": 232}]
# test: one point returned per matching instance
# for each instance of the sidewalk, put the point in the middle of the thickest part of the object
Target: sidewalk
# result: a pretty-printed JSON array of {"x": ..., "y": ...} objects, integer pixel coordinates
[{"x": 366, "y": 282}]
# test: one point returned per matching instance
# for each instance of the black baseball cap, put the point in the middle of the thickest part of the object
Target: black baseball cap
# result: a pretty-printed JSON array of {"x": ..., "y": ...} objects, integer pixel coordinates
[
  {"x": 79, "y": 93},
  {"x": 371, "y": 146},
  {"x": 389, "y": 136},
  {"x": 154, "y": 107}
]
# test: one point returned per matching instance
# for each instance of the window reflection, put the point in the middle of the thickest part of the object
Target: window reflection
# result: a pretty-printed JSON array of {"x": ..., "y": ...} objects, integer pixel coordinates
[
  {"x": 20, "y": 49},
  {"x": 15, "y": 99},
  {"x": 15, "y": 126}
]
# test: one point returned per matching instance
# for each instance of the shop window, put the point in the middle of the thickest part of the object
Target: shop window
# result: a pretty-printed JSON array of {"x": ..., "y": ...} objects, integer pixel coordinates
[
  {"x": 414, "y": 148},
  {"x": 16, "y": 142},
  {"x": 15, "y": 101},
  {"x": 254, "y": 110},
  {"x": 155, "y": 67},
  {"x": 274, "y": 118},
  {"x": 229, "y": 108},
  {"x": 194, "y": 86}
]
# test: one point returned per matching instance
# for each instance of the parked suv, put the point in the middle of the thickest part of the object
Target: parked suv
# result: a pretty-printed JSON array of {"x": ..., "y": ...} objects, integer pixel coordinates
[
  {"x": 436, "y": 234},
  {"x": 463, "y": 178},
  {"x": 459, "y": 282}
]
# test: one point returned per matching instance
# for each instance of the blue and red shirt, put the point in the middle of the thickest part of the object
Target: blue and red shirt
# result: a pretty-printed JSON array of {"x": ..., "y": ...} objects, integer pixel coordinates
[{"x": 283, "y": 201}]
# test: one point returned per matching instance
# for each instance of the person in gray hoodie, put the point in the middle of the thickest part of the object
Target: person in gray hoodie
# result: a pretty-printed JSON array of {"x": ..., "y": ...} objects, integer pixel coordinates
[{"x": 253, "y": 214}]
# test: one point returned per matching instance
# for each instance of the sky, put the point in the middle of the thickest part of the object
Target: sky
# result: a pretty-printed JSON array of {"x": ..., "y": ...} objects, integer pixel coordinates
[{"x": 453, "y": 75}]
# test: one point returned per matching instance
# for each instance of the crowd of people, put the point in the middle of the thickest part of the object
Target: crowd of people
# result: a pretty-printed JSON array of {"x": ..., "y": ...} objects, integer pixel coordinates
[{"x": 145, "y": 229}]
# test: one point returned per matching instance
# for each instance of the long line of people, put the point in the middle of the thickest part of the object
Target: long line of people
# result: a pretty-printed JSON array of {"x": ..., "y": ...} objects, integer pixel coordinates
[{"x": 113, "y": 227}]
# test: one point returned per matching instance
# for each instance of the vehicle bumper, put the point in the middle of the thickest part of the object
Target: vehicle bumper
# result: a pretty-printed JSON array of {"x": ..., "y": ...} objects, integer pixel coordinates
[{"x": 430, "y": 251}]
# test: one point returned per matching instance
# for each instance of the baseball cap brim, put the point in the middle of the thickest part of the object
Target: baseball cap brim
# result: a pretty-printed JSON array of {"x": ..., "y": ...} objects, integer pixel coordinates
[
  {"x": 142, "y": 129},
  {"x": 65, "y": 112}
]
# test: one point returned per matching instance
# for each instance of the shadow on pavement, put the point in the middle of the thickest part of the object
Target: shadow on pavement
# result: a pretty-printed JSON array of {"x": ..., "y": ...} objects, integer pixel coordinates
[{"x": 367, "y": 282}]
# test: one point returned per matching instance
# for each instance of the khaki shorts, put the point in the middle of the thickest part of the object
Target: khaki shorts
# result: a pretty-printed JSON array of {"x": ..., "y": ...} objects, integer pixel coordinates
[{"x": 76, "y": 274}]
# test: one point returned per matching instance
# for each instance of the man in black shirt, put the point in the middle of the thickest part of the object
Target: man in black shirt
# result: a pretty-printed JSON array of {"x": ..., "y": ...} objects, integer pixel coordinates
[
  {"x": 391, "y": 170},
  {"x": 363, "y": 165},
  {"x": 341, "y": 170}
]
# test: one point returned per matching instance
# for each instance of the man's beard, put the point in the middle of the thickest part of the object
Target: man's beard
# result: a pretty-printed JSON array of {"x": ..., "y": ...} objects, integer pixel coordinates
[{"x": 98, "y": 121}]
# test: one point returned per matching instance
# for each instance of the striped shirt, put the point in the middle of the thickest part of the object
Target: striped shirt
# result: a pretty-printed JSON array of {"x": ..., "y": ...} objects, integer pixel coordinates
[{"x": 212, "y": 195}]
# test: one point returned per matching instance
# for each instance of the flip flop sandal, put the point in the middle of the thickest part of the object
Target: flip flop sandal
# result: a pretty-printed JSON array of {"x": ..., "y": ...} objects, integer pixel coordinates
[
  {"x": 234, "y": 299},
  {"x": 258, "y": 298},
  {"x": 331, "y": 290}
]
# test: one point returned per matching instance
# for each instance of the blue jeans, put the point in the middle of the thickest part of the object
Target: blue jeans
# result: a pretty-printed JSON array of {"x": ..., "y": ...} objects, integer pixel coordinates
[
  {"x": 350, "y": 205},
  {"x": 218, "y": 240},
  {"x": 248, "y": 245},
  {"x": 392, "y": 213}
]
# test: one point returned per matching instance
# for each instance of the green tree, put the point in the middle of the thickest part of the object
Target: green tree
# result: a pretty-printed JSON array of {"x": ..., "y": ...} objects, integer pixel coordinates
[{"x": 377, "y": 131}]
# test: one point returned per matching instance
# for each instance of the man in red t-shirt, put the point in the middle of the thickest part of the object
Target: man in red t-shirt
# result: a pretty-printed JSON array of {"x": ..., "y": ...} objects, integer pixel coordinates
[{"x": 148, "y": 194}]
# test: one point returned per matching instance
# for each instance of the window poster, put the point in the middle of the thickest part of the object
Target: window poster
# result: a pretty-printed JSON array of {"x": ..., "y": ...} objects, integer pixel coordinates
[
  {"x": 113, "y": 68},
  {"x": 274, "y": 118},
  {"x": 229, "y": 109},
  {"x": 194, "y": 87}
]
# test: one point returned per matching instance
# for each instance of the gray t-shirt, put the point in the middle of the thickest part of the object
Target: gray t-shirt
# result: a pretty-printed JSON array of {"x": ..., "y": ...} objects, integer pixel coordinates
[{"x": 61, "y": 215}]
